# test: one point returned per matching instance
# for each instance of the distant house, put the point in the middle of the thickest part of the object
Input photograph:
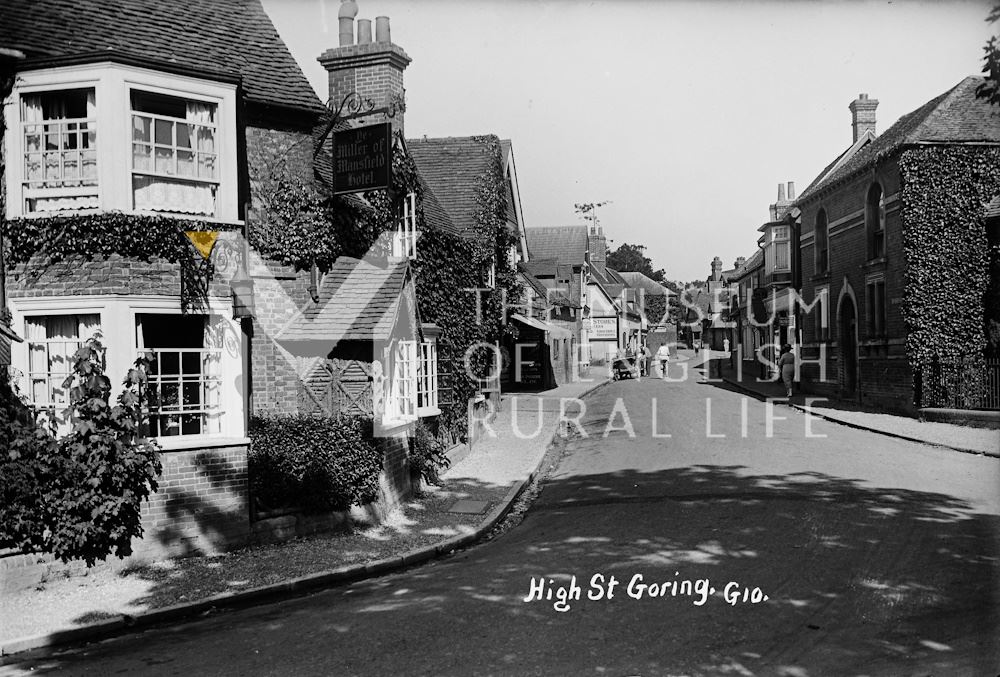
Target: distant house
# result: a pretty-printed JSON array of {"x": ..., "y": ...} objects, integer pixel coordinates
[{"x": 894, "y": 257}]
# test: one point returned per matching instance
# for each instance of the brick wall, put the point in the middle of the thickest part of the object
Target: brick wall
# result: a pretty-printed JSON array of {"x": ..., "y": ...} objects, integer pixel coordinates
[
  {"x": 201, "y": 507},
  {"x": 372, "y": 70},
  {"x": 883, "y": 377}
]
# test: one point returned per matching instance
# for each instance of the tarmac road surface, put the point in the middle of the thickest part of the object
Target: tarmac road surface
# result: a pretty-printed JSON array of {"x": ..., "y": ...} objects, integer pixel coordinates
[{"x": 733, "y": 552}]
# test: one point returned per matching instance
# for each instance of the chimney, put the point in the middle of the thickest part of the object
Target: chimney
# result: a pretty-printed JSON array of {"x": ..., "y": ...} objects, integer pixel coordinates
[
  {"x": 716, "y": 269},
  {"x": 597, "y": 247},
  {"x": 740, "y": 260},
  {"x": 791, "y": 191},
  {"x": 372, "y": 69},
  {"x": 781, "y": 205},
  {"x": 863, "y": 115},
  {"x": 364, "y": 31},
  {"x": 348, "y": 10},
  {"x": 781, "y": 192}
]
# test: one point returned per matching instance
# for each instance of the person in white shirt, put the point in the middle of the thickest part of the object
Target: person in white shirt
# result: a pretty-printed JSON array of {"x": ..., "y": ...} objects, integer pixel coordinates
[{"x": 663, "y": 356}]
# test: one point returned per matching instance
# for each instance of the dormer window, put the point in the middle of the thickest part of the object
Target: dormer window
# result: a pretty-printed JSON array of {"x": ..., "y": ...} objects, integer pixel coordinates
[
  {"x": 59, "y": 136},
  {"x": 174, "y": 157}
]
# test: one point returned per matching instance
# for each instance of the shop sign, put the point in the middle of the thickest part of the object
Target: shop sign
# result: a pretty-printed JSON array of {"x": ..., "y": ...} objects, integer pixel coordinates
[
  {"x": 362, "y": 159},
  {"x": 604, "y": 328}
]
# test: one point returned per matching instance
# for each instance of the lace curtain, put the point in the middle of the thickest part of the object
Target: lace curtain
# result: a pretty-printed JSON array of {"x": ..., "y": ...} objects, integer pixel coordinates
[
  {"x": 56, "y": 155},
  {"x": 157, "y": 193},
  {"x": 52, "y": 342}
]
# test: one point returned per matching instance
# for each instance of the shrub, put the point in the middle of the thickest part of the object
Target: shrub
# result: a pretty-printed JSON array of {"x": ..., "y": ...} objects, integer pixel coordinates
[
  {"x": 427, "y": 455},
  {"x": 78, "y": 497},
  {"x": 314, "y": 463}
]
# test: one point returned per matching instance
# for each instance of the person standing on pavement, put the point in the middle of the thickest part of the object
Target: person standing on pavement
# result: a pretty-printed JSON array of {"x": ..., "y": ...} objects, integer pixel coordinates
[
  {"x": 646, "y": 357},
  {"x": 786, "y": 367}
]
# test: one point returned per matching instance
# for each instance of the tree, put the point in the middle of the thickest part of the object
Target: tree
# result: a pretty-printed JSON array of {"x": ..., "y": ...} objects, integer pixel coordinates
[
  {"x": 631, "y": 258},
  {"x": 990, "y": 89},
  {"x": 79, "y": 496}
]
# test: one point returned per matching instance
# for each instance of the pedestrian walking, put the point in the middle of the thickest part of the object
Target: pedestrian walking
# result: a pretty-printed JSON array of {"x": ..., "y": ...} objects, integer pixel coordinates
[
  {"x": 786, "y": 367},
  {"x": 663, "y": 357},
  {"x": 647, "y": 360}
]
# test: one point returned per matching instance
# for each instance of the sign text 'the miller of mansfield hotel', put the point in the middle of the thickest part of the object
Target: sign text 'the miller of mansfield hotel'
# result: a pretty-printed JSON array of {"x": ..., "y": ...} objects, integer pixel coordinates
[{"x": 363, "y": 159}]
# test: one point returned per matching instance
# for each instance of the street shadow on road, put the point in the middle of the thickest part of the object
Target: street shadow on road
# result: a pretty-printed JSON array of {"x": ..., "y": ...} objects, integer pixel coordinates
[{"x": 860, "y": 580}]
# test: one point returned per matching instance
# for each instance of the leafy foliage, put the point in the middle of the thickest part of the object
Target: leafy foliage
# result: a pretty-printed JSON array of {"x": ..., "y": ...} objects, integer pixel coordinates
[
  {"x": 314, "y": 463},
  {"x": 427, "y": 455},
  {"x": 49, "y": 240},
  {"x": 78, "y": 497},
  {"x": 632, "y": 258},
  {"x": 946, "y": 250},
  {"x": 446, "y": 266},
  {"x": 990, "y": 89}
]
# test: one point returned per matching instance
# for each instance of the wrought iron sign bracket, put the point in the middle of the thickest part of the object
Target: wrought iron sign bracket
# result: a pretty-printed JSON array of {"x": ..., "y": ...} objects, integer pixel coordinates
[{"x": 354, "y": 106}]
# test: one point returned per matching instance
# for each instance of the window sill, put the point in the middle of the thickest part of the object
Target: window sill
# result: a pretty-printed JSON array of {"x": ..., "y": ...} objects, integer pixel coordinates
[
  {"x": 428, "y": 411},
  {"x": 818, "y": 277},
  {"x": 185, "y": 443},
  {"x": 871, "y": 263},
  {"x": 391, "y": 425}
]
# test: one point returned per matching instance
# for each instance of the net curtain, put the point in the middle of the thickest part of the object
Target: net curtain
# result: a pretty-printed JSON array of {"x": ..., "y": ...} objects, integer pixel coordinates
[{"x": 156, "y": 193}]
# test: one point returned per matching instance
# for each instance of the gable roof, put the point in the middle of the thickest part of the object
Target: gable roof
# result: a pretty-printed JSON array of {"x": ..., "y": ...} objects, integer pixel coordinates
[
  {"x": 957, "y": 116},
  {"x": 233, "y": 37},
  {"x": 566, "y": 244},
  {"x": 358, "y": 301},
  {"x": 450, "y": 168}
]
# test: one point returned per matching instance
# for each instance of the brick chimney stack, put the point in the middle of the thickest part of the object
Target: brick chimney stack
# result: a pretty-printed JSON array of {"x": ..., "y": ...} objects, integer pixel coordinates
[
  {"x": 783, "y": 203},
  {"x": 597, "y": 247},
  {"x": 716, "y": 269},
  {"x": 862, "y": 115},
  {"x": 740, "y": 260},
  {"x": 373, "y": 69}
]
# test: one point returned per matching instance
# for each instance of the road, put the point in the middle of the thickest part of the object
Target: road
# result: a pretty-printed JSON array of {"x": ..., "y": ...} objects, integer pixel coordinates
[{"x": 876, "y": 556}]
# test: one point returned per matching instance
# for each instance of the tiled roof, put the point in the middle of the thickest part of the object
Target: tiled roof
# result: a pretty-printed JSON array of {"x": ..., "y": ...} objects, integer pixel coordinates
[
  {"x": 451, "y": 168},
  {"x": 956, "y": 116},
  {"x": 992, "y": 210},
  {"x": 642, "y": 281},
  {"x": 541, "y": 267},
  {"x": 750, "y": 264},
  {"x": 532, "y": 281},
  {"x": 358, "y": 301},
  {"x": 233, "y": 37},
  {"x": 567, "y": 244}
]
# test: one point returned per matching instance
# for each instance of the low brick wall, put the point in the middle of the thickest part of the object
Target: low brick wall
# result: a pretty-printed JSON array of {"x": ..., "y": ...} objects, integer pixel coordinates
[{"x": 202, "y": 506}]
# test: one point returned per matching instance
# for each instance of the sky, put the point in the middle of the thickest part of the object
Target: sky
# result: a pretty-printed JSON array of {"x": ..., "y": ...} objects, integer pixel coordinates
[{"x": 684, "y": 116}]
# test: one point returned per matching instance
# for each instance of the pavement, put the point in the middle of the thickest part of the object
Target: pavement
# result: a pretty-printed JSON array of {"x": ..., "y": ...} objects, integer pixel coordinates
[
  {"x": 949, "y": 435},
  {"x": 491, "y": 474}
]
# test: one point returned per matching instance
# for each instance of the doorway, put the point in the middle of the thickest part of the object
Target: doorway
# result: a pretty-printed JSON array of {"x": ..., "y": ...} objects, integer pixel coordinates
[{"x": 848, "y": 341}]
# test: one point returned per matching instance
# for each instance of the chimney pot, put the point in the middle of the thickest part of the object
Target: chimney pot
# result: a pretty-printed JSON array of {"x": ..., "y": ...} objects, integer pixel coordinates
[
  {"x": 345, "y": 17},
  {"x": 791, "y": 190},
  {"x": 382, "y": 29},
  {"x": 364, "y": 31},
  {"x": 781, "y": 192}
]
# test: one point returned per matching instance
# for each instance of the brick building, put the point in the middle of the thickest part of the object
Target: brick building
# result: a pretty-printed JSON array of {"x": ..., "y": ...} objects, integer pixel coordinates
[
  {"x": 870, "y": 261},
  {"x": 124, "y": 123}
]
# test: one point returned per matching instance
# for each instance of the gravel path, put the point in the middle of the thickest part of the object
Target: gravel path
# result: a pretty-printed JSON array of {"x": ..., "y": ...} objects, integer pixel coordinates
[{"x": 74, "y": 600}]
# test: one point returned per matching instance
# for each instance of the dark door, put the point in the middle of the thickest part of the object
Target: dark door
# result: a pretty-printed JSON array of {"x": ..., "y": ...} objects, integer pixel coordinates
[{"x": 849, "y": 346}]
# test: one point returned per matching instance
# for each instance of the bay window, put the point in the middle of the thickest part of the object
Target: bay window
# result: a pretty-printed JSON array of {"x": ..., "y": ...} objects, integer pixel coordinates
[
  {"x": 52, "y": 341},
  {"x": 184, "y": 378},
  {"x": 174, "y": 160},
  {"x": 111, "y": 136},
  {"x": 59, "y": 147}
]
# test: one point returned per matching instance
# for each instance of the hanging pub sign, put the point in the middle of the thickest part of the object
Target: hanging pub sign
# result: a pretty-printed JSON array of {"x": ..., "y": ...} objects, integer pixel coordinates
[{"x": 362, "y": 159}]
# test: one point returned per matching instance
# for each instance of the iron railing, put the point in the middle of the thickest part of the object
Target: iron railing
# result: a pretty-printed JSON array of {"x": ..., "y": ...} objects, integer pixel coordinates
[{"x": 958, "y": 382}]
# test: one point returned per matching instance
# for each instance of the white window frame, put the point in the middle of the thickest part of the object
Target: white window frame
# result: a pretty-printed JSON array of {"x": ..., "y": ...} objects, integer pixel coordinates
[
  {"x": 57, "y": 409},
  {"x": 119, "y": 337},
  {"x": 401, "y": 386},
  {"x": 427, "y": 379},
  {"x": 113, "y": 83},
  {"x": 821, "y": 325},
  {"x": 490, "y": 274},
  {"x": 876, "y": 311},
  {"x": 404, "y": 241}
]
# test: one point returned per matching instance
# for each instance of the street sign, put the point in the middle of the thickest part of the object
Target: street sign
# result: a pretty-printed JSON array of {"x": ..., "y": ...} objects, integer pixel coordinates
[{"x": 362, "y": 159}]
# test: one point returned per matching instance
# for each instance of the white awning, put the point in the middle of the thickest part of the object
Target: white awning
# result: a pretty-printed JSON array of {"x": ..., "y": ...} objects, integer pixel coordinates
[{"x": 557, "y": 332}]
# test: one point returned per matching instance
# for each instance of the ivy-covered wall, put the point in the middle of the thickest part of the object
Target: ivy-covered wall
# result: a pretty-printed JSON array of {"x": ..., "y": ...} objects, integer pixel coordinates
[{"x": 944, "y": 193}]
